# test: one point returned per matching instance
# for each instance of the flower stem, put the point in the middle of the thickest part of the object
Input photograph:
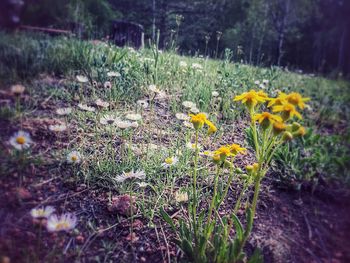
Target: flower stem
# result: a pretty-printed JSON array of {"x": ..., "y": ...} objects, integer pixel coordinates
[{"x": 194, "y": 206}]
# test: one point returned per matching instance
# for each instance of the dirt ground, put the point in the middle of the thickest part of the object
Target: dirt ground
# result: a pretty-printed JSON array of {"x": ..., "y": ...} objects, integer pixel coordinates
[{"x": 290, "y": 226}]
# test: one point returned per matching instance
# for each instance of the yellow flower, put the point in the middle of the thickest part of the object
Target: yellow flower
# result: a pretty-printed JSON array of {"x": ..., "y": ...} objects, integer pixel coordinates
[
  {"x": 223, "y": 152},
  {"x": 297, "y": 100},
  {"x": 287, "y": 111},
  {"x": 266, "y": 118},
  {"x": 198, "y": 120},
  {"x": 216, "y": 158},
  {"x": 212, "y": 129},
  {"x": 278, "y": 127},
  {"x": 280, "y": 100},
  {"x": 235, "y": 149},
  {"x": 252, "y": 98},
  {"x": 252, "y": 168}
]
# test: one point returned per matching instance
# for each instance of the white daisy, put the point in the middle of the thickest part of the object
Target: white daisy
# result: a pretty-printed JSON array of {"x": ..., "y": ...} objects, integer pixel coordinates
[
  {"x": 74, "y": 157},
  {"x": 142, "y": 184},
  {"x": 153, "y": 88},
  {"x": 107, "y": 85},
  {"x": 188, "y": 104},
  {"x": 82, "y": 79},
  {"x": 21, "y": 140},
  {"x": 64, "y": 111},
  {"x": 215, "y": 93},
  {"x": 123, "y": 124},
  {"x": 262, "y": 86},
  {"x": 43, "y": 212},
  {"x": 265, "y": 81},
  {"x": 85, "y": 107},
  {"x": 188, "y": 124},
  {"x": 170, "y": 161},
  {"x": 65, "y": 222},
  {"x": 192, "y": 146},
  {"x": 113, "y": 74},
  {"x": 17, "y": 89},
  {"x": 133, "y": 117},
  {"x": 142, "y": 103},
  {"x": 134, "y": 124},
  {"x": 257, "y": 82},
  {"x": 130, "y": 175},
  {"x": 194, "y": 110},
  {"x": 182, "y": 116},
  {"x": 181, "y": 197},
  {"x": 101, "y": 104},
  {"x": 58, "y": 127},
  {"x": 109, "y": 120},
  {"x": 196, "y": 66},
  {"x": 183, "y": 64}
]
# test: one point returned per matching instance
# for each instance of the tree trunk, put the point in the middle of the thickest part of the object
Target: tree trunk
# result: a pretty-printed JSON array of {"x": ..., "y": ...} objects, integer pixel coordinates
[
  {"x": 281, "y": 35},
  {"x": 341, "y": 49},
  {"x": 153, "y": 20}
]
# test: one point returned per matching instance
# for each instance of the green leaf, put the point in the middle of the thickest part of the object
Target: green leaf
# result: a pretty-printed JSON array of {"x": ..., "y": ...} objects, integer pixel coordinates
[
  {"x": 249, "y": 221},
  {"x": 238, "y": 227},
  {"x": 257, "y": 257},
  {"x": 167, "y": 218},
  {"x": 186, "y": 246}
]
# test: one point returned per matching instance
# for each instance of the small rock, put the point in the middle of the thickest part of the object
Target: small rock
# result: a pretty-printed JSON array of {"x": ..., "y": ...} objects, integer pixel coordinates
[
  {"x": 80, "y": 239},
  {"x": 132, "y": 237},
  {"x": 123, "y": 205},
  {"x": 23, "y": 193}
]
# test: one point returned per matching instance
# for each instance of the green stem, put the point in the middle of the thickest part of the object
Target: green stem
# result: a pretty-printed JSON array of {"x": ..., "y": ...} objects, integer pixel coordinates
[
  {"x": 256, "y": 193},
  {"x": 214, "y": 195},
  {"x": 238, "y": 203},
  {"x": 194, "y": 207}
]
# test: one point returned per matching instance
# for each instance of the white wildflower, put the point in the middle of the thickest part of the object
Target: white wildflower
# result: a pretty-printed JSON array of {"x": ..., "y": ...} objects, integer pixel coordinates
[
  {"x": 109, "y": 119},
  {"x": 74, "y": 157},
  {"x": 182, "y": 116},
  {"x": 43, "y": 212},
  {"x": 101, "y": 104},
  {"x": 17, "y": 89},
  {"x": 181, "y": 197},
  {"x": 142, "y": 103},
  {"x": 130, "y": 175},
  {"x": 113, "y": 74},
  {"x": 188, "y": 104},
  {"x": 85, "y": 107},
  {"x": 170, "y": 161},
  {"x": 133, "y": 117},
  {"x": 65, "y": 222},
  {"x": 58, "y": 127},
  {"x": 82, "y": 79},
  {"x": 21, "y": 140},
  {"x": 64, "y": 111}
]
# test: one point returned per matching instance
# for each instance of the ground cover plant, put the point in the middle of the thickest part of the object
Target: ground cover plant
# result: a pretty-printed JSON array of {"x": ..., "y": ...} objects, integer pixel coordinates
[{"x": 117, "y": 155}]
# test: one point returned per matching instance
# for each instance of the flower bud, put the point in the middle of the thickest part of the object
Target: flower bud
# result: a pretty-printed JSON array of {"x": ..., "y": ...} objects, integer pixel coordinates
[
  {"x": 287, "y": 136},
  {"x": 295, "y": 126},
  {"x": 217, "y": 159},
  {"x": 249, "y": 169},
  {"x": 278, "y": 128},
  {"x": 300, "y": 132}
]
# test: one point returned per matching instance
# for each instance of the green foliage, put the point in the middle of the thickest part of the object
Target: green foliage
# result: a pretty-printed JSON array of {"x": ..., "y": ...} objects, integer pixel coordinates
[
  {"x": 86, "y": 18},
  {"x": 318, "y": 156}
]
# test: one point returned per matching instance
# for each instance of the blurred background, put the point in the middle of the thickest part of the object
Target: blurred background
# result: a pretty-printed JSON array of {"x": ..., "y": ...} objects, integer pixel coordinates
[{"x": 307, "y": 35}]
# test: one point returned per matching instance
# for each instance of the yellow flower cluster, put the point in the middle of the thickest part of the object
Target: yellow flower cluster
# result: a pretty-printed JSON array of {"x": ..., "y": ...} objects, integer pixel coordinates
[
  {"x": 284, "y": 108},
  {"x": 198, "y": 121},
  {"x": 225, "y": 151}
]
